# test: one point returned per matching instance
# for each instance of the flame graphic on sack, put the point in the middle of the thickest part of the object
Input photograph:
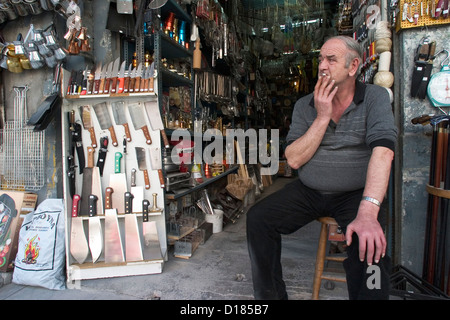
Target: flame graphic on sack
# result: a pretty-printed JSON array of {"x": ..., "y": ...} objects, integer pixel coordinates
[{"x": 31, "y": 251}]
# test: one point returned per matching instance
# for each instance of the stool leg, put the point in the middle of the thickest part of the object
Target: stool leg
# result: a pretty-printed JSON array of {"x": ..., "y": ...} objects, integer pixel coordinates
[{"x": 320, "y": 261}]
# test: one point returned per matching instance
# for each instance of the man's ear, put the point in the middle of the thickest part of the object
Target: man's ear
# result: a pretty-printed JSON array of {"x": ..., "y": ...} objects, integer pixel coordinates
[{"x": 353, "y": 69}]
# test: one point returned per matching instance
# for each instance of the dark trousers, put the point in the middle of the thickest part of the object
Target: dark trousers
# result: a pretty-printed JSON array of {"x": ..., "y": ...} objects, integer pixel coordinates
[{"x": 288, "y": 210}]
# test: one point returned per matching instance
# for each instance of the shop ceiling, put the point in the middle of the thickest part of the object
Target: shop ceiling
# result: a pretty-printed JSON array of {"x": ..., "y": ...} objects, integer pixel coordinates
[
  {"x": 262, "y": 4},
  {"x": 269, "y": 12}
]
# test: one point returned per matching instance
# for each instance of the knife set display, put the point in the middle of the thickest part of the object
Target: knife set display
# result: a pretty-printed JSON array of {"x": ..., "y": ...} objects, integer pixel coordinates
[
  {"x": 110, "y": 242},
  {"x": 100, "y": 193},
  {"x": 112, "y": 79}
]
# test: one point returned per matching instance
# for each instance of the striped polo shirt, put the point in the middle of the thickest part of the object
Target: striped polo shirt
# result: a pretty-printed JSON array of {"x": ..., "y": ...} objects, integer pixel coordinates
[{"x": 340, "y": 163}]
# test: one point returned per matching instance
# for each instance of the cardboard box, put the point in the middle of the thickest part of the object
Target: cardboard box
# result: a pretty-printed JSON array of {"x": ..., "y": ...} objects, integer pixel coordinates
[{"x": 13, "y": 205}]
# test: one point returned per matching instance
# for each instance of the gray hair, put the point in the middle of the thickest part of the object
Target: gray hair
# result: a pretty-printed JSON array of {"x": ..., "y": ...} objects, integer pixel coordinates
[{"x": 354, "y": 50}]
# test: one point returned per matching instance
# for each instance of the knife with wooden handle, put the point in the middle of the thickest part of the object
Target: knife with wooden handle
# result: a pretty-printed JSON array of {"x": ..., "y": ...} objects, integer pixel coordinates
[
  {"x": 104, "y": 119},
  {"x": 142, "y": 164},
  {"x": 118, "y": 109},
  {"x": 137, "y": 79},
  {"x": 138, "y": 117},
  {"x": 87, "y": 124},
  {"x": 155, "y": 160}
]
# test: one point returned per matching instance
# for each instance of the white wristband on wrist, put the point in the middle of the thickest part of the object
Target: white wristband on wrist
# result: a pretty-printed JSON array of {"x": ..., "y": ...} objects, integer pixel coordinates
[{"x": 373, "y": 200}]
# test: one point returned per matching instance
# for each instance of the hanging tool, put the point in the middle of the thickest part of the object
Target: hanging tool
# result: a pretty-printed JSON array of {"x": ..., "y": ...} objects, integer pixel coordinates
[
  {"x": 423, "y": 65},
  {"x": 104, "y": 119},
  {"x": 154, "y": 115},
  {"x": 138, "y": 118},
  {"x": 155, "y": 159},
  {"x": 77, "y": 142},
  {"x": 86, "y": 119},
  {"x": 142, "y": 163},
  {"x": 118, "y": 109},
  {"x": 102, "y": 154}
]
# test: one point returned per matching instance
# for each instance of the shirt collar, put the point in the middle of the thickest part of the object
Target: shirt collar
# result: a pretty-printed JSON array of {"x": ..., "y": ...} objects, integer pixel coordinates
[{"x": 360, "y": 90}]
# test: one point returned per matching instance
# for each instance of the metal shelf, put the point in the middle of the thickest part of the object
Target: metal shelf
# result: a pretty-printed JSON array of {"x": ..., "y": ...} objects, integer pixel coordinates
[{"x": 174, "y": 196}]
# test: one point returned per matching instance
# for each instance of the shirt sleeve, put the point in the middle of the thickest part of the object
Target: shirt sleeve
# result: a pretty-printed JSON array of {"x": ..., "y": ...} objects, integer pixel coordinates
[
  {"x": 381, "y": 129},
  {"x": 299, "y": 122}
]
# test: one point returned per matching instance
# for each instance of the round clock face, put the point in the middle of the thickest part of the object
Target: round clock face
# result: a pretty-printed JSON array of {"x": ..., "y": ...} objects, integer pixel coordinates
[{"x": 439, "y": 89}]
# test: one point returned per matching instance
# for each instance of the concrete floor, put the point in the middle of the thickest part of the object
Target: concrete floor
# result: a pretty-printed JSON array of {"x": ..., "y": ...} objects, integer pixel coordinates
[{"x": 218, "y": 270}]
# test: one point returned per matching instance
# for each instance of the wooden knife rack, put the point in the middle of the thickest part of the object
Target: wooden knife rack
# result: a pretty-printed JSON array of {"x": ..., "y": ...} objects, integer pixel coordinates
[{"x": 101, "y": 269}]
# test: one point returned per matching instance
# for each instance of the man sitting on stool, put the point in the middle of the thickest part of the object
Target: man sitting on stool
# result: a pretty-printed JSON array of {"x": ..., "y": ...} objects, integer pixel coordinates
[{"x": 342, "y": 141}]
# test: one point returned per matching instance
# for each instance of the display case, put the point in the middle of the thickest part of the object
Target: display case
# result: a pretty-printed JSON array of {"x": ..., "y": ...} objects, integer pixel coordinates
[{"x": 124, "y": 237}]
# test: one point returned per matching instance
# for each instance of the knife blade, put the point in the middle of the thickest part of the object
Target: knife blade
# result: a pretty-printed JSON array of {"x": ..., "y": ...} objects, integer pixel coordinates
[
  {"x": 95, "y": 229},
  {"x": 120, "y": 78},
  {"x": 150, "y": 232},
  {"x": 97, "y": 78},
  {"x": 137, "y": 192},
  {"x": 154, "y": 114},
  {"x": 145, "y": 79},
  {"x": 104, "y": 119},
  {"x": 118, "y": 182},
  {"x": 126, "y": 81},
  {"x": 114, "y": 74},
  {"x": 133, "y": 248},
  {"x": 90, "y": 85},
  {"x": 118, "y": 109},
  {"x": 142, "y": 164},
  {"x": 155, "y": 159},
  {"x": 138, "y": 118},
  {"x": 108, "y": 77},
  {"x": 102, "y": 79},
  {"x": 84, "y": 82},
  {"x": 79, "y": 248},
  {"x": 132, "y": 80},
  {"x": 151, "y": 81},
  {"x": 87, "y": 124},
  {"x": 113, "y": 240},
  {"x": 137, "y": 80}
]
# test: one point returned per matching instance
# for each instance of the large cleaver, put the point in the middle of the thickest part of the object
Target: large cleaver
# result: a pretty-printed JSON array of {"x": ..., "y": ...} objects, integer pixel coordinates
[
  {"x": 104, "y": 119},
  {"x": 154, "y": 115},
  {"x": 95, "y": 229},
  {"x": 142, "y": 164},
  {"x": 138, "y": 118},
  {"x": 87, "y": 124},
  {"x": 113, "y": 241},
  {"x": 155, "y": 159},
  {"x": 118, "y": 110},
  {"x": 133, "y": 248},
  {"x": 79, "y": 248},
  {"x": 150, "y": 232},
  {"x": 118, "y": 182}
]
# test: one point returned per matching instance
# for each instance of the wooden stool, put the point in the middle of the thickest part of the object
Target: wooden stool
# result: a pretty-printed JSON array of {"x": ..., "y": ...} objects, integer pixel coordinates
[{"x": 322, "y": 257}]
